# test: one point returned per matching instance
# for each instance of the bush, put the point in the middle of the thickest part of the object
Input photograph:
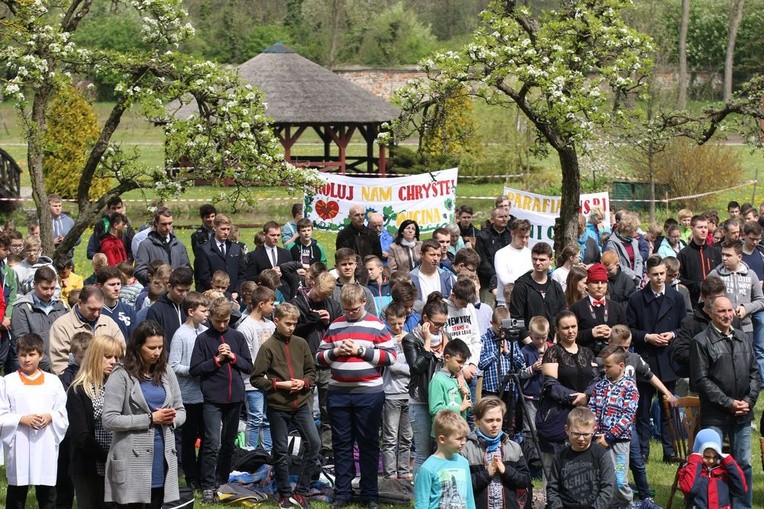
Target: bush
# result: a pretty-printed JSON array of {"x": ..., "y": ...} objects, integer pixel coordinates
[
  {"x": 689, "y": 169},
  {"x": 72, "y": 131}
]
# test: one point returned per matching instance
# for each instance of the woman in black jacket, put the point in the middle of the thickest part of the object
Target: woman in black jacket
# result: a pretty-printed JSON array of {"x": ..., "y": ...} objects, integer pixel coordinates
[
  {"x": 89, "y": 441},
  {"x": 423, "y": 348}
]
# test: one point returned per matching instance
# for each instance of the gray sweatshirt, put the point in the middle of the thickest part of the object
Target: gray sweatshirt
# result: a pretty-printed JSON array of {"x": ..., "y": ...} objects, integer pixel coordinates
[{"x": 743, "y": 288}]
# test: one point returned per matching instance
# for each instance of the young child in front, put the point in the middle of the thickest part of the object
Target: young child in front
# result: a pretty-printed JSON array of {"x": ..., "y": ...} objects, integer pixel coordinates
[
  {"x": 33, "y": 420},
  {"x": 257, "y": 329},
  {"x": 195, "y": 307},
  {"x": 219, "y": 358},
  {"x": 711, "y": 479},
  {"x": 496, "y": 462},
  {"x": 582, "y": 473},
  {"x": 285, "y": 371},
  {"x": 67, "y": 279},
  {"x": 614, "y": 402},
  {"x": 443, "y": 480},
  {"x": 447, "y": 390},
  {"x": 396, "y": 426},
  {"x": 533, "y": 379}
]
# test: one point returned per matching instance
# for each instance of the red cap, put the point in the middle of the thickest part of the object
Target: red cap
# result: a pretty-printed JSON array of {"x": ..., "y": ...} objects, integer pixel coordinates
[{"x": 596, "y": 273}]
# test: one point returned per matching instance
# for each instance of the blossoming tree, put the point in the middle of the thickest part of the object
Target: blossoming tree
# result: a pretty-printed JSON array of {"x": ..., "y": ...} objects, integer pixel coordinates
[
  {"x": 228, "y": 137},
  {"x": 568, "y": 71}
]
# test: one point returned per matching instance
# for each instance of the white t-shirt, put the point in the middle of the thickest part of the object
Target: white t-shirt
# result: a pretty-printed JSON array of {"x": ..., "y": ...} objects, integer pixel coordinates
[
  {"x": 429, "y": 284},
  {"x": 510, "y": 264}
]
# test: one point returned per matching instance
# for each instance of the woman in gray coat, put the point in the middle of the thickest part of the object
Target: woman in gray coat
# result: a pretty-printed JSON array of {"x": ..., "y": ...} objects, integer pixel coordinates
[{"x": 142, "y": 407}]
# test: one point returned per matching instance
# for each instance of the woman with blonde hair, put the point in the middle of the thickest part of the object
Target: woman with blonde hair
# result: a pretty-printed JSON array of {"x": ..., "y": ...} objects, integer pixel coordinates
[{"x": 89, "y": 441}]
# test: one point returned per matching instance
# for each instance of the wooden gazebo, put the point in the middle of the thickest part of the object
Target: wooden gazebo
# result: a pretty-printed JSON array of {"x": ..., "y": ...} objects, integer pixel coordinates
[{"x": 302, "y": 95}]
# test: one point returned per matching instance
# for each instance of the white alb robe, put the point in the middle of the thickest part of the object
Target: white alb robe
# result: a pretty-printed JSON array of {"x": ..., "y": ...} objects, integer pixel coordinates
[{"x": 31, "y": 455}]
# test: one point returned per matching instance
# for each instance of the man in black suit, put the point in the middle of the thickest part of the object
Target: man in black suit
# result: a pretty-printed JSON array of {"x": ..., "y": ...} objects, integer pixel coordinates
[
  {"x": 654, "y": 315},
  {"x": 219, "y": 254},
  {"x": 269, "y": 255},
  {"x": 596, "y": 313}
]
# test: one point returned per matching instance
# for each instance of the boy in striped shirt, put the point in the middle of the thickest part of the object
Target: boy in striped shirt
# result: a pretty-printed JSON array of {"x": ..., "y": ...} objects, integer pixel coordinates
[{"x": 356, "y": 347}]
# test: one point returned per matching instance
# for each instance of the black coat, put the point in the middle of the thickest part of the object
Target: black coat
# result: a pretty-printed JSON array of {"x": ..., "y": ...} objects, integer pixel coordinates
[
  {"x": 487, "y": 243},
  {"x": 527, "y": 302},
  {"x": 364, "y": 242},
  {"x": 84, "y": 448},
  {"x": 644, "y": 317},
  {"x": 209, "y": 259},
  {"x": 696, "y": 262},
  {"x": 258, "y": 261},
  {"x": 586, "y": 322},
  {"x": 309, "y": 324},
  {"x": 620, "y": 287}
]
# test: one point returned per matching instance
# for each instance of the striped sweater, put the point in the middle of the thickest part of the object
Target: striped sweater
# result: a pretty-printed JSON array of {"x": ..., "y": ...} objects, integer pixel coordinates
[{"x": 351, "y": 373}]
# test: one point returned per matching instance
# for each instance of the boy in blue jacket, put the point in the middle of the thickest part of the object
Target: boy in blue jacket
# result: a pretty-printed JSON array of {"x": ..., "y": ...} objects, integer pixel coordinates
[{"x": 220, "y": 357}]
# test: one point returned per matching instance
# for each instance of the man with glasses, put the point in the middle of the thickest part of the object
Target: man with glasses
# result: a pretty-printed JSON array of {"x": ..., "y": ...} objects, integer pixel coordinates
[
  {"x": 356, "y": 348},
  {"x": 359, "y": 237}
]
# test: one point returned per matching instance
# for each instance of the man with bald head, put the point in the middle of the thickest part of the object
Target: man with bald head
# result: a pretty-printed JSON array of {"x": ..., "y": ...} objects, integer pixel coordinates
[
  {"x": 724, "y": 372},
  {"x": 359, "y": 237},
  {"x": 377, "y": 223}
]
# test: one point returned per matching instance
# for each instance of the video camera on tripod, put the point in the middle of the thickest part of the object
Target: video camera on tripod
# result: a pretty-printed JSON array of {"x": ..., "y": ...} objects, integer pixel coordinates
[{"x": 511, "y": 329}]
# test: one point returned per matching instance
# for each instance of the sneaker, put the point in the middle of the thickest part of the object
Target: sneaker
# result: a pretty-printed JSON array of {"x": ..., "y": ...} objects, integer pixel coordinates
[
  {"x": 341, "y": 502},
  {"x": 209, "y": 497},
  {"x": 299, "y": 501},
  {"x": 648, "y": 503},
  {"x": 285, "y": 502}
]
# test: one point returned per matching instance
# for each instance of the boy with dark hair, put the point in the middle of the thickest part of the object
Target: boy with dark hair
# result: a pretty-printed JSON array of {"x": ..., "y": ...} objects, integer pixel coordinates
[
  {"x": 306, "y": 249},
  {"x": 101, "y": 229},
  {"x": 378, "y": 284},
  {"x": 195, "y": 308},
  {"x": 131, "y": 288},
  {"x": 582, "y": 474},
  {"x": 34, "y": 421},
  {"x": 110, "y": 281},
  {"x": 429, "y": 277},
  {"x": 67, "y": 279},
  {"x": 166, "y": 310},
  {"x": 614, "y": 404},
  {"x": 346, "y": 263},
  {"x": 284, "y": 370},
  {"x": 220, "y": 358},
  {"x": 111, "y": 244},
  {"x": 535, "y": 293},
  {"x": 204, "y": 233},
  {"x": 444, "y": 391},
  {"x": 466, "y": 259}
]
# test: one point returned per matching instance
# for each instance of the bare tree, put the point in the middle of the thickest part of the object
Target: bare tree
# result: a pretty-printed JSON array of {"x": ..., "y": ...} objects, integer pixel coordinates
[
  {"x": 684, "y": 23},
  {"x": 734, "y": 20}
]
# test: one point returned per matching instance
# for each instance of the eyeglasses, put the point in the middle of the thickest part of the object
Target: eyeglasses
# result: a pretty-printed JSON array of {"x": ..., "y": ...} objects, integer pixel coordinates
[
  {"x": 577, "y": 434},
  {"x": 354, "y": 310},
  {"x": 437, "y": 325}
]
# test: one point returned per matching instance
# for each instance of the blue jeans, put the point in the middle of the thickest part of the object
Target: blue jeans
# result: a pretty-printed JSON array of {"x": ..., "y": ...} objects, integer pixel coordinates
[
  {"x": 740, "y": 446},
  {"x": 421, "y": 425},
  {"x": 637, "y": 465},
  {"x": 356, "y": 418},
  {"x": 758, "y": 340},
  {"x": 218, "y": 442},
  {"x": 258, "y": 428},
  {"x": 396, "y": 438},
  {"x": 302, "y": 419}
]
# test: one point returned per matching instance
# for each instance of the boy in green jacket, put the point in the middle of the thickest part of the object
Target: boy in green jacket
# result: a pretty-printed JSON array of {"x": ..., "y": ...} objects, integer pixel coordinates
[
  {"x": 447, "y": 390},
  {"x": 285, "y": 371}
]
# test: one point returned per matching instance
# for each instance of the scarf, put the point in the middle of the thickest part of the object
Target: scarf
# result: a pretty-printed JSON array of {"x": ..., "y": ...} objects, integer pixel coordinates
[
  {"x": 492, "y": 444},
  {"x": 102, "y": 436}
]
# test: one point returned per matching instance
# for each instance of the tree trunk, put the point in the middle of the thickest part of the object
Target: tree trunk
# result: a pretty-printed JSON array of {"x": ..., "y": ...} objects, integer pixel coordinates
[
  {"x": 735, "y": 17},
  {"x": 566, "y": 226},
  {"x": 683, "y": 24},
  {"x": 34, "y": 161}
]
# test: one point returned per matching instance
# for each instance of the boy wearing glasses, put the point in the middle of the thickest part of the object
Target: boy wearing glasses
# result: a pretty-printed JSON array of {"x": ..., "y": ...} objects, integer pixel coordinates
[
  {"x": 582, "y": 474},
  {"x": 356, "y": 347}
]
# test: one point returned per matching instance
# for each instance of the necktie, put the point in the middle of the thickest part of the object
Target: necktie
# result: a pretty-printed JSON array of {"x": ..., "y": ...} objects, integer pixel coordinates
[
  {"x": 274, "y": 259},
  {"x": 598, "y": 303},
  {"x": 658, "y": 295},
  {"x": 222, "y": 248}
]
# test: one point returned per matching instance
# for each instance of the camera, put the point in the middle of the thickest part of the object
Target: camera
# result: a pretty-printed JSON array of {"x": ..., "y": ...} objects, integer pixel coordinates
[{"x": 511, "y": 329}]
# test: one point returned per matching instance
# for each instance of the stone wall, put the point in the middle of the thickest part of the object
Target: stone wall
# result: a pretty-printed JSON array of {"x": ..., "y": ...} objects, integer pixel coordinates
[{"x": 380, "y": 82}]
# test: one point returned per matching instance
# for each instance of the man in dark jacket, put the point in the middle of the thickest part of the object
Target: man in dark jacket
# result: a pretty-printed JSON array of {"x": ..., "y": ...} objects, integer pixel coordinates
[
  {"x": 654, "y": 315},
  {"x": 620, "y": 286},
  {"x": 692, "y": 325},
  {"x": 489, "y": 241},
  {"x": 697, "y": 259},
  {"x": 205, "y": 232},
  {"x": 724, "y": 371},
  {"x": 167, "y": 309},
  {"x": 161, "y": 244},
  {"x": 359, "y": 237},
  {"x": 535, "y": 293},
  {"x": 219, "y": 254}
]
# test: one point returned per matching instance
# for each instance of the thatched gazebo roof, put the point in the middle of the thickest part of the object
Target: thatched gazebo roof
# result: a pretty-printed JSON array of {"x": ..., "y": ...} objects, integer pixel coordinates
[{"x": 301, "y": 94}]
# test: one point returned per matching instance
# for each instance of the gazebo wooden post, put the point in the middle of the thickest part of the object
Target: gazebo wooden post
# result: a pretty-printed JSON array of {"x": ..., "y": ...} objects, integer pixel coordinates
[{"x": 382, "y": 160}]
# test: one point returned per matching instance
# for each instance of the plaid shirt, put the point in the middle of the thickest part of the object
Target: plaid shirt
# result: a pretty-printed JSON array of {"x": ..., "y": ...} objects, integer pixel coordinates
[
  {"x": 489, "y": 354},
  {"x": 614, "y": 405}
]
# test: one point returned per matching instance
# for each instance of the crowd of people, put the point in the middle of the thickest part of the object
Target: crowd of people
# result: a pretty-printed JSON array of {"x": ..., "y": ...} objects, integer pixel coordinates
[{"x": 468, "y": 363}]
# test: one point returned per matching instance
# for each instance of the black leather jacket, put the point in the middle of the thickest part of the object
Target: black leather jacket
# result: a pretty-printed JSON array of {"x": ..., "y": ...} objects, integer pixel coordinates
[
  {"x": 723, "y": 370},
  {"x": 422, "y": 365}
]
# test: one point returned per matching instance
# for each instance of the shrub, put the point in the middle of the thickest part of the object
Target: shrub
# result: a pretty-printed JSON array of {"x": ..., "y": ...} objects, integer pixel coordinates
[{"x": 72, "y": 131}]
